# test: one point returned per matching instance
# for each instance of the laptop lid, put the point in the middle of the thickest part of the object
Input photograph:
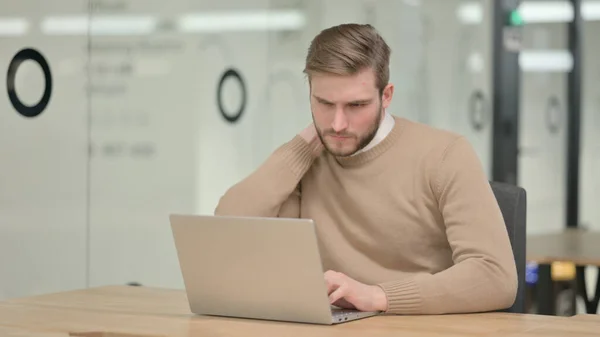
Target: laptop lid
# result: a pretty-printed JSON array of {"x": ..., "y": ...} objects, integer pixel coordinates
[{"x": 262, "y": 268}]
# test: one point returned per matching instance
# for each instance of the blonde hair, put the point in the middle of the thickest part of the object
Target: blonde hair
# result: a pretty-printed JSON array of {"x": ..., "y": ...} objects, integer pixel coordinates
[{"x": 347, "y": 49}]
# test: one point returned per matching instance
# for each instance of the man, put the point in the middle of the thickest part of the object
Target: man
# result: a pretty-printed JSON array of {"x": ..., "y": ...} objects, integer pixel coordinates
[{"x": 406, "y": 219}]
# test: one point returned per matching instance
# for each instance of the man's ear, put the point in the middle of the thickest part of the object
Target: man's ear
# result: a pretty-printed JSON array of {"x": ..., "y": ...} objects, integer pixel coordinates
[{"x": 388, "y": 93}]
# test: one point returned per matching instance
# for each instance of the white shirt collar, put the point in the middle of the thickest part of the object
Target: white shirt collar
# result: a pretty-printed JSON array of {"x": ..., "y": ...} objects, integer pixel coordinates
[{"x": 385, "y": 127}]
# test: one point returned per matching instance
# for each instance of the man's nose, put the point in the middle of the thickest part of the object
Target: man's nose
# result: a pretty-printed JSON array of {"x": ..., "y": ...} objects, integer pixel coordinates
[{"x": 340, "y": 122}]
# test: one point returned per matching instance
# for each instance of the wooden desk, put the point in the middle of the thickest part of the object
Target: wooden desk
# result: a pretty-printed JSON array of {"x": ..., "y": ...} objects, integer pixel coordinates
[
  {"x": 586, "y": 318},
  {"x": 577, "y": 246},
  {"x": 579, "y": 329},
  {"x": 146, "y": 312},
  {"x": 7, "y": 331}
]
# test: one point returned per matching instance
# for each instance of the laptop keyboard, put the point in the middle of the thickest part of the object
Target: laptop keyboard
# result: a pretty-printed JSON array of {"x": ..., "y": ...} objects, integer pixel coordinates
[{"x": 343, "y": 315}]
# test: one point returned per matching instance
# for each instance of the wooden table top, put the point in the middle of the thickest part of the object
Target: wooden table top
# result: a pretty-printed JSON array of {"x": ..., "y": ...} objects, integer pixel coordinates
[
  {"x": 594, "y": 318},
  {"x": 574, "y": 245},
  {"x": 9, "y": 331},
  {"x": 123, "y": 311}
]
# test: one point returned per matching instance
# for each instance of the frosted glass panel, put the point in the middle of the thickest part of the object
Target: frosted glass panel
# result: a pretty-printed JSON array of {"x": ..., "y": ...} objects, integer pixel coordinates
[
  {"x": 162, "y": 144},
  {"x": 590, "y": 125},
  {"x": 457, "y": 90},
  {"x": 543, "y": 128},
  {"x": 43, "y": 184}
]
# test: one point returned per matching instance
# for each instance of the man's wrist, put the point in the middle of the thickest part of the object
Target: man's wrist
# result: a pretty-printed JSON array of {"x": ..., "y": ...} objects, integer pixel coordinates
[{"x": 380, "y": 300}]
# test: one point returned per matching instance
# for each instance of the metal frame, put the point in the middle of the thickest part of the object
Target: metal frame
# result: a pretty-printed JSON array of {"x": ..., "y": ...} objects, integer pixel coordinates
[
  {"x": 506, "y": 105},
  {"x": 506, "y": 92},
  {"x": 574, "y": 117},
  {"x": 574, "y": 89}
]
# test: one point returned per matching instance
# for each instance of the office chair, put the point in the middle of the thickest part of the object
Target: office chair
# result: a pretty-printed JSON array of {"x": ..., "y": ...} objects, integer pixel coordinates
[{"x": 513, "y": 205}]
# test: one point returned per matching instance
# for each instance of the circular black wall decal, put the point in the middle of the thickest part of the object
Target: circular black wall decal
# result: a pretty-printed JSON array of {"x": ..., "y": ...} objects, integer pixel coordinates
[
  {"x": 18, "y": 59},
  {"x": 234, "y": 116},
  {"x": 477, "y": 110}
]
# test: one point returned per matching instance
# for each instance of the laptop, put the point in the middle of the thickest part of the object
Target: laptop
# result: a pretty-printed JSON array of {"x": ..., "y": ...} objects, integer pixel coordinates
[{"x": 255, "y": 268}]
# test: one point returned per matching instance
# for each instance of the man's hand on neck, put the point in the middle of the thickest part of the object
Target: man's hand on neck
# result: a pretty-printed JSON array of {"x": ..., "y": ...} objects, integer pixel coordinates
[{"x": 309, "y": 134}]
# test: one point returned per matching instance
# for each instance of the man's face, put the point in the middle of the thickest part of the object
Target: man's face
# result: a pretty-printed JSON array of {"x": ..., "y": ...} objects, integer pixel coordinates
[{"x": 347, "y": 110}]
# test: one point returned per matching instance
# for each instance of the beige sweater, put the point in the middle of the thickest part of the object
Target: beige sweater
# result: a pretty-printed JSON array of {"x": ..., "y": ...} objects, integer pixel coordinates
[{"x": 415, "y": 215}]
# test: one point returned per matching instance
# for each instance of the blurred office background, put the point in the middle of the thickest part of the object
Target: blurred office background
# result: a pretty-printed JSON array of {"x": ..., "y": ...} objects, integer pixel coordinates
[{"x": 157, "y": 107}]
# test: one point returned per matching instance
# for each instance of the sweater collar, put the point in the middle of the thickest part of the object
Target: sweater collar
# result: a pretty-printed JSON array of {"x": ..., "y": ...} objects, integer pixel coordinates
[
  {"x": 385, "y": 127},
  {"x": 375, "y": 149}
]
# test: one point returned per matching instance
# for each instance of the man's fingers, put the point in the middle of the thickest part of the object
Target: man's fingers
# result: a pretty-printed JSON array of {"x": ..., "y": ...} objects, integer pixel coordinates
[
  {"x": 344, "y": 304},
  {"x": 332, "y": 280},
  {"x": 331, "y": 275},
  {"x": 338, "y": 294},
  {"x": 331, "y": 287}
]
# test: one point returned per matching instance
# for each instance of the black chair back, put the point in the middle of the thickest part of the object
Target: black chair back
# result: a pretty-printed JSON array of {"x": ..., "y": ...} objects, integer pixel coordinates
[{"x": 513, "y": 204}]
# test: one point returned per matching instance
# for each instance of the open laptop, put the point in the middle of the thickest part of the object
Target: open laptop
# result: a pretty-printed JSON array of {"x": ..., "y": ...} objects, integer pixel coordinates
[{"x": 257, "y": 268}]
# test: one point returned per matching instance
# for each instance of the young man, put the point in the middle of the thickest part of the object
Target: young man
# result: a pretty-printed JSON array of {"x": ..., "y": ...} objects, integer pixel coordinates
[{"x": 406, "y": 219}]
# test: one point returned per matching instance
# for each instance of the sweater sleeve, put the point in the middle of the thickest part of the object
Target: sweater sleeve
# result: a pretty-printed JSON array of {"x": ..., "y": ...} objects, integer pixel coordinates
[
  {"x": 272, "y": 189},
  {"x": 483, "y": 276}
]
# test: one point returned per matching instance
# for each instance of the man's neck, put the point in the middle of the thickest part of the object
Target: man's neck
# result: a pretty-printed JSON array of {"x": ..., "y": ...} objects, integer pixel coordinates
[{"x": 385, "y": 126}]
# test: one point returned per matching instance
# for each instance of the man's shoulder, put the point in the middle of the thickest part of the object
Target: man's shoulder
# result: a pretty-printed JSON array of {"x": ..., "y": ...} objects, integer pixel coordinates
[{"x": 428, "y": 137}]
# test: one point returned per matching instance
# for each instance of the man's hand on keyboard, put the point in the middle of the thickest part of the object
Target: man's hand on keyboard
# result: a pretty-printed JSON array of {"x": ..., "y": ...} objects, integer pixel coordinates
[{"x": 347, "y": 293}]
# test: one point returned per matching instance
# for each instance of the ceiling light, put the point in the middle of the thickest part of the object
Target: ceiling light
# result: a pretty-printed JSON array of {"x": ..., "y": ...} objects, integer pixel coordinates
[
  {"x": 545, "y": 61},
  {"x": 99, "y": 26},
  {"x": 13, "y": 26},
  {"x": 242, "y": 21}
]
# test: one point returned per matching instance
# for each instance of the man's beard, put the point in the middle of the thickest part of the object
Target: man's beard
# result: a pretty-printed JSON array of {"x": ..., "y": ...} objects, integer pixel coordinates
[{"x": 362, "y": 142}]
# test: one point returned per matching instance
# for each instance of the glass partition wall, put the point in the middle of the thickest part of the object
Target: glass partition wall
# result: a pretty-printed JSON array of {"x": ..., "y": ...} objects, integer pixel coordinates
[
  {"x": 151, "y": 108},
  {"x": 157, "y": 108},
  {"x": 211, "y": 89},
  {"x": 43, "y": 146}
]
